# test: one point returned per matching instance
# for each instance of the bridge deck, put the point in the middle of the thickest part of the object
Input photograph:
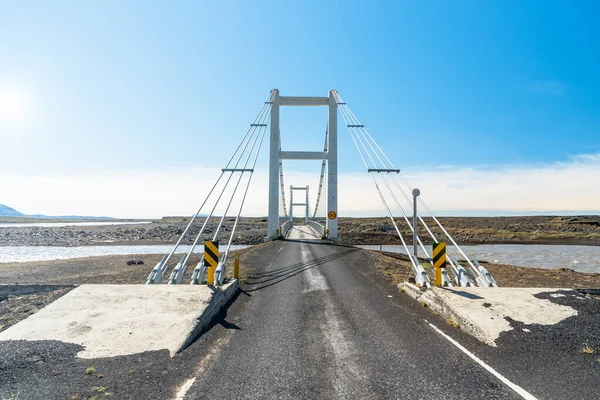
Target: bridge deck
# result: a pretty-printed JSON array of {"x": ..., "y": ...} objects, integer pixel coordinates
[{"x": 302, "y": 232}]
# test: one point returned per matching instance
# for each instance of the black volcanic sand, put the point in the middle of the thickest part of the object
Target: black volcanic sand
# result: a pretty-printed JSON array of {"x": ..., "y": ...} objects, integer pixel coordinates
[
  {"x": 352, "y": 231},
  {"x": 30, "y": 369}
]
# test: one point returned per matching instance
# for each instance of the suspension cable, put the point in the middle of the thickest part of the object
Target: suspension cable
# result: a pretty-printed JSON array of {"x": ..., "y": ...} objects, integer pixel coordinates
[
  {"x": 355, "y": 125},
  {"x": 281, "y": 184},
  {"x": 391, "y": 216},
  {"x": 321, "y": 179},
  {"x": 216, "y": 235},
  {"x": 258, "y": 122},
  {"x": 243, "y": 201}
]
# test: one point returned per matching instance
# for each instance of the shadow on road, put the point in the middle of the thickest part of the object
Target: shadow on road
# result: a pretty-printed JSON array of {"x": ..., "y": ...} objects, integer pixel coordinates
[{"x": 278, "y": 275}]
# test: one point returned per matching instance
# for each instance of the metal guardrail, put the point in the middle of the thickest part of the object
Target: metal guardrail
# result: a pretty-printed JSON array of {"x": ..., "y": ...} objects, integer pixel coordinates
[
  {"x": 285, "y": 227},
  {"x": 317, "y": 227}
]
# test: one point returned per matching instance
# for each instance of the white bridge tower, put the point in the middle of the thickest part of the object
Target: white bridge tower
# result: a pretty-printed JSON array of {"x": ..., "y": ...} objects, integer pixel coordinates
[{"x": 330, "y": 155}]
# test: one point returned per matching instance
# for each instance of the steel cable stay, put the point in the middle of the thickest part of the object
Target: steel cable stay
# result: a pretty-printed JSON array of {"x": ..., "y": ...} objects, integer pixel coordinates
[
  {"x": 221, "y": 268},
  {"x": 159, "y": 271},
  {"x": 369, "y": 139},
  {"x": 323, "y": 163},
  {"x": 381, "y": 164},
  {"x": 455, "y": 268},
  {"x": 383, "y": 178},
  {"x": 417, "y": 269},
  {"x": 200, "y": 270},
  {"x": 281, "y": 184},
  {"x": 355, "y": 121},
  {"x": 483, "y": 277},
  {"x": 179, "y": 270},
  {"x": 455, "y": 265}
]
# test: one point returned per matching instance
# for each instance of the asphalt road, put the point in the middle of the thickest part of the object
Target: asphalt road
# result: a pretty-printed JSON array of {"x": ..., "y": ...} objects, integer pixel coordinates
[{"x": 316, "y": 323}]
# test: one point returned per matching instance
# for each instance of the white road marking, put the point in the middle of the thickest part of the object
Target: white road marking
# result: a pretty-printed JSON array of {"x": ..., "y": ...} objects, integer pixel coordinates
[
  {"x": 184, "y": 389},
  {"x": 350, "y": 380},
  {"x": 347, "y": 369},
  {"x": 313, "y": 279},
  {"x": 518, "y": 389}
]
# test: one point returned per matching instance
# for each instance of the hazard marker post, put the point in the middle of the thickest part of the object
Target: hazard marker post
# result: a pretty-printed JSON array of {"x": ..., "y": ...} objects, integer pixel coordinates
[
  {"x": 211, "y": 260},
  {"x": 439, "y": 261}
]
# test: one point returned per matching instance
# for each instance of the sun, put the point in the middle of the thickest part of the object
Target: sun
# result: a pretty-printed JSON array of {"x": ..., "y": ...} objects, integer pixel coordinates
[{"x": 14, "y": 105}]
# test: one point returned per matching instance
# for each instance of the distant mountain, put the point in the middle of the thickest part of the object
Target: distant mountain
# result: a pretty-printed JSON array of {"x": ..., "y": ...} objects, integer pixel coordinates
[{"x": 6, "y": 211}]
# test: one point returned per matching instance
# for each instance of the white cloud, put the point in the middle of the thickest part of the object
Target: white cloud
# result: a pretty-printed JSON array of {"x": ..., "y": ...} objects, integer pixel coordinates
[{"x": 571, "y": 185}]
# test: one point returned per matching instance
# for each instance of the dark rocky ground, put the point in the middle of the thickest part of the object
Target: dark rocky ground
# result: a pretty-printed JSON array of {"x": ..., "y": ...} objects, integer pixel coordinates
[
  {"x": 49, "y": 370},
  {"x": 353, "y": 231}
]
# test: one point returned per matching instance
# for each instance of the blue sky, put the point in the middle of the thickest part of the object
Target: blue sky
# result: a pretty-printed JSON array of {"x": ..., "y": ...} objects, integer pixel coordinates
[{"x": 102, "y": 86}]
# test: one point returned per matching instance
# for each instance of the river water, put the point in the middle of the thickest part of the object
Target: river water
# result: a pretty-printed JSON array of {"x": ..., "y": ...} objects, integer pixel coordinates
[
  {"x": 578, "y": 258},
  {"x": 11, "y": 254}
]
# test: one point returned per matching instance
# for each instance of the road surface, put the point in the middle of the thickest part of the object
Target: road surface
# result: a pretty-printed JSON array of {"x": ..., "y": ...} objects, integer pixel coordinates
[
  {"x": 317, "y": 324},
  {"x": 302, "y": 232},
  {"x": 317, "y": 321}
]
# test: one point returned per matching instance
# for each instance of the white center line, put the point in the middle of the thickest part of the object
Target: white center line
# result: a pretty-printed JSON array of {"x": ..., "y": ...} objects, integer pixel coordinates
[{"x": 518, "y": 389}]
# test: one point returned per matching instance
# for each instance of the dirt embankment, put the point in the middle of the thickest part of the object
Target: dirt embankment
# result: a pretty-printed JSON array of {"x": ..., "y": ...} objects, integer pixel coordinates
[
  {"x": 352, "y": 231},
  {"x": 249, "y": 231},
  {"x": 398, "y": 268},
  {"x": 479, "y": 230}
]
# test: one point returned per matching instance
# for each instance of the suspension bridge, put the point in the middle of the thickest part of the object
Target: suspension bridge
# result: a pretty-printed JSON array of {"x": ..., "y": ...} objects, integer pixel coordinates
[
  {"x": 396, "y": 193},
  {"x": 314, "y": 319}
]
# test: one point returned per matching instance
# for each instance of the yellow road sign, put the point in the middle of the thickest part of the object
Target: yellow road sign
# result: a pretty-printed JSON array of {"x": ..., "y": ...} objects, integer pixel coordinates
[
  {"x": 211, "y": 253},
  {"x": 439, "y": 261},
  {"x": 331, "y": 215},
  {"x": 439, "y": 255}
]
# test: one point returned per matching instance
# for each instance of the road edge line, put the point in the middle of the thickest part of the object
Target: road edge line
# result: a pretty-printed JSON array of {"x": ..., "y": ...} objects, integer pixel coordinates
[{"x": 518, "y": 389}]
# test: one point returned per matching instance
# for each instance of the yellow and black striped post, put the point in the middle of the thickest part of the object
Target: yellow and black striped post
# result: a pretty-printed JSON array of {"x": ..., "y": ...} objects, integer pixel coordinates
[
  {"x": 211, "y": 260},
  {"x": 439, "y": 261}
]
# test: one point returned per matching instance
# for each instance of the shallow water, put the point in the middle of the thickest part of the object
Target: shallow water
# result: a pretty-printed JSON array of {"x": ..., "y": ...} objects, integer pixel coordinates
[
  {"x": 9, "y": 254},
  {"x": 578, "y": 258},
  {"x": 61, "y": 224}
]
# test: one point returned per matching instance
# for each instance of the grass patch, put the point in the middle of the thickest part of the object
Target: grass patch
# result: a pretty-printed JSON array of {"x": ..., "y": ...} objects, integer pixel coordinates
[
  {"x": 99, "y": 389},
  {"x": 587, "y": 350},
  {"x": 452, "y": 323},
  {"x": 90, "y": 370}
]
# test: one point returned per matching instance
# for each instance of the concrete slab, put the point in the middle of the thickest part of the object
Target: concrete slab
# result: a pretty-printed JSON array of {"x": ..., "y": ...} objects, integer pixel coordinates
[
  {"x": 114, "y": 320},
  {"x": 483, "y": 312}
]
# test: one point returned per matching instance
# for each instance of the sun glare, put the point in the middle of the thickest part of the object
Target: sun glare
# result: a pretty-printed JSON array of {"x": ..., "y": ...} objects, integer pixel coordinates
[{"x": 14, "y": 105}]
